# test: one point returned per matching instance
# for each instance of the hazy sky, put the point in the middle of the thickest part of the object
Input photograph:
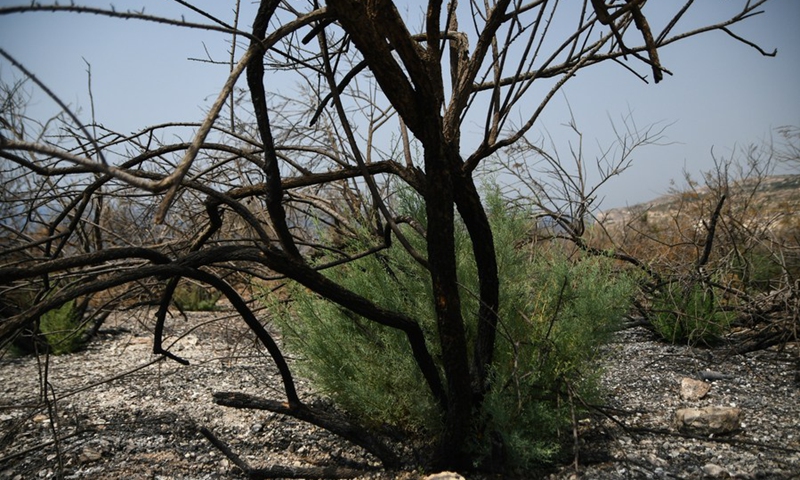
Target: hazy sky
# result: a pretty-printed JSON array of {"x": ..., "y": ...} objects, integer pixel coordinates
[{"x": 723, "y": 94}]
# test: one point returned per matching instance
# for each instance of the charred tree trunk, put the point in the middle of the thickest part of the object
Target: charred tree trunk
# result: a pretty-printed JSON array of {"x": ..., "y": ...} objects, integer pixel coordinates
[{"x": 451, "y": 451}]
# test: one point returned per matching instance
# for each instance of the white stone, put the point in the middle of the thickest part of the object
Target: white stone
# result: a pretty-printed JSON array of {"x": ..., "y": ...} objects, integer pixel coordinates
[
  {"x": 692, "y": 389},
  {"x": 708, "y": 420},
  {"x": 715, "y": 471},
  {"x": 444, "y": 476}
]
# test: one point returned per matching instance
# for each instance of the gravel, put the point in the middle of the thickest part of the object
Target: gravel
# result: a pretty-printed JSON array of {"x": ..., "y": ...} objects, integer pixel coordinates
[
  {"x": 643, "y": 378},
  {"x": 122, "y": 413}
]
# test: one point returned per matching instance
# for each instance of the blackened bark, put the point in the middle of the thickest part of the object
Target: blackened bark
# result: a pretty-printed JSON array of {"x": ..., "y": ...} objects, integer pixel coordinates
[
  {"x": 376, "y": 29},
  {"x": 474, "y": 216},
  {"x": 712, "y": 229},
  {"x": 13, "y": 274},
  {"x": 369, "y": 37},
  {"x": 261, "y": 333},
  {"x": 451, "y": 451},
  {"x": 255, "y": 82}
]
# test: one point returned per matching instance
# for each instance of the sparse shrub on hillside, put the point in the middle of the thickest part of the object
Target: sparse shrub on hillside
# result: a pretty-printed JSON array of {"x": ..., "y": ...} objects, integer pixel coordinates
[
  {"x": 63, "y": 328},
  {"x": 195, "y": 298},
  {"x": 726, "y": 244},
  {"x": 555, "y": 312},
  {"x": 689, "y": 313}
]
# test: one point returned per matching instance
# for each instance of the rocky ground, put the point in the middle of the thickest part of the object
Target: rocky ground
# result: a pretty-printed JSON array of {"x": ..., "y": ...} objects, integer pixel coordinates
[{"x": 121, "y": 413}]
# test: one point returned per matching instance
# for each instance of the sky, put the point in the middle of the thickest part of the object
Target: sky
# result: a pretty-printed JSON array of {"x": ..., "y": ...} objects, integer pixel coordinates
[{"x": 723, "y": 95}]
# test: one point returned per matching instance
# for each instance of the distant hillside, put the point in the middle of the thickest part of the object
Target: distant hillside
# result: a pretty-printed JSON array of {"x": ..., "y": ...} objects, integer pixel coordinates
[{"x": 776, "y": 199}]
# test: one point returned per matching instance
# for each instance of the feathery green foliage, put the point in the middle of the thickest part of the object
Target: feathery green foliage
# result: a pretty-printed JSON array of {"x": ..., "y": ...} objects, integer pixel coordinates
[
  {"x": 555, "y": 311},
  {"x": 689, "y": 313},
  {"x": 63, "y": 328},
  {"x": 195, "y": 298}
]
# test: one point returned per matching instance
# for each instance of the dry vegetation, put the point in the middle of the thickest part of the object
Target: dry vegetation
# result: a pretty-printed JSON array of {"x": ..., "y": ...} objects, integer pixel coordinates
[
  {"x": 731, "y": 240},
  {"x": 309, "y": 189}
]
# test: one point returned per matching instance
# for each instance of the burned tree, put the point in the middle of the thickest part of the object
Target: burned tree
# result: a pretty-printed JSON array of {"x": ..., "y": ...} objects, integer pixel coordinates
[{"x": 248, "y": 198}]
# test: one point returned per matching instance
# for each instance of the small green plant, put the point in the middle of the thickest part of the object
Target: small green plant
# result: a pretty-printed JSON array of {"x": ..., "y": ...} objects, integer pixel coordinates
[
  {"x": 555, "y": 312},
  {"x": 63, "y": 329},
  {"x": 194, "y": 298},
  {"x": 689, "y": 313}
]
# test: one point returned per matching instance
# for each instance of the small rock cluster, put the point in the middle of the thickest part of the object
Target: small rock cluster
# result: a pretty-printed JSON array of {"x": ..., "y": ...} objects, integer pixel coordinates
[
  {"x": 672, "y": 412},
  {"x": 714, "y": 420},
  {"x": 693, "y": 413}
]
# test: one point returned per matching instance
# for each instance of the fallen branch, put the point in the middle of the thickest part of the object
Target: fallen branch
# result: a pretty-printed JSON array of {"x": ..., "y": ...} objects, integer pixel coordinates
[
  {"x": 336, "y": 425},
  {"x": 40, "y": 446},
  {"x": 705, "y": 438},
  {"x": 304, "y": 472},
  {"x": 277, "y": 471}
]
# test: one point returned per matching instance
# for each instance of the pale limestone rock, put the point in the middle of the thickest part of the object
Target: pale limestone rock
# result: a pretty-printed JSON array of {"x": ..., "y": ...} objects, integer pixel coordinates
[
  {"x": 715, "y": 471},
  {"x": 692, "y": 389},
  {"x": 89, "y": 455},
  {"x": 444, "y": 476},
  {"x": 708, "y": 420}
]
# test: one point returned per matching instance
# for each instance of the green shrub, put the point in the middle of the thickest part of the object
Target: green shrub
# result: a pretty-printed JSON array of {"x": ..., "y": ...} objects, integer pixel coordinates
[
  {"x": 195, "y": 298},
  {"x": 367, "y": 369},
  {"x": 60, "y": 330},
  {"x": 63, "y": 329},
  {"x": 554, "y": 313},
  {"x": 689, "y": 313}
]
